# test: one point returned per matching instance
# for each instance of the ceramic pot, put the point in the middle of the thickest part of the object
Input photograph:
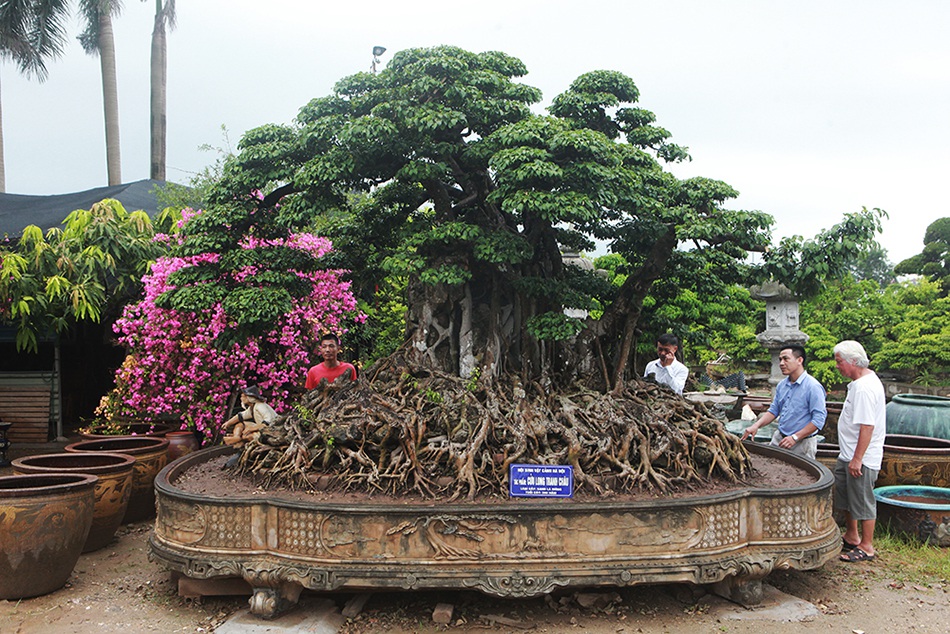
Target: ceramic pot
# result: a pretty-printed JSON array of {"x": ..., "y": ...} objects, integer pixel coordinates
[
  {"x": 918, "y": 511},
  {"x": 181, "y": 443},
  {"x": 915, "y": 460},
  {"x": 830, "y": 430},
  {"x": 151, "y": 455},
  {"x": 919, "y": 415},
  {"x": 827, "y": 454},
  {"x": 112, "y": 491},
  {"x": 44, "y": 522},
  {"x": 128, "y": 429}
]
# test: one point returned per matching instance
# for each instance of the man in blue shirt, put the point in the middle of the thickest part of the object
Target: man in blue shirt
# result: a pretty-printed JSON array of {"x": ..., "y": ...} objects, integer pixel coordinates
[{"x": 799, "y": 406}]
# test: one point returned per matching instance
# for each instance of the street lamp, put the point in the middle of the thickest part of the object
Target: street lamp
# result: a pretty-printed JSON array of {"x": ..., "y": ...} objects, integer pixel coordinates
[{"x": 377, "y": 51}]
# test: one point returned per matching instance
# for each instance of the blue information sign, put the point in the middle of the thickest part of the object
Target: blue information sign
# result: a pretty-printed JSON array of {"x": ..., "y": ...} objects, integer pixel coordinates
[{"x": 541, "y": 481}]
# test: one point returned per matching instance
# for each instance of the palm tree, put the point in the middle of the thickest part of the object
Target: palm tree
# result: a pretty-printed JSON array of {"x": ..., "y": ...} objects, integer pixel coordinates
[
  {"x": 97, "y": 39},
  {"x": 31, "y": 32},
  {"x": 164, "y": 13}
]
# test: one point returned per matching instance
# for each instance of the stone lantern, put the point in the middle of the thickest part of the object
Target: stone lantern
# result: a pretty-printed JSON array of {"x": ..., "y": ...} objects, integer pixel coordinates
[{"x": 781, "y": 323}]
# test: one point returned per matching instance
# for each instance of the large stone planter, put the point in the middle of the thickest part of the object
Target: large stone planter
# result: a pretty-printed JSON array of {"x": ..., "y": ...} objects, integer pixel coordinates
[
  {"x": 112, "y": 491},
  {"x": 44, "y": 522},
  {"x": 915, "y": 460},
  {"x": 515, "y": 548},
  {"x": 919, "y": 511},
  {"x": 151, "y": 455}
]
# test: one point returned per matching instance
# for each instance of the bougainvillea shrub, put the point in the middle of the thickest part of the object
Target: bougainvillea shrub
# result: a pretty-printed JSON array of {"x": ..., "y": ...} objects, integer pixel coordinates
[{"x": 176, "y": 367}]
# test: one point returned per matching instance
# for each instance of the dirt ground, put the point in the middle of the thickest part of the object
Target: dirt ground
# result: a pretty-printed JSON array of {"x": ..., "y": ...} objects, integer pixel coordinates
[{"x": 117, "y": 589}]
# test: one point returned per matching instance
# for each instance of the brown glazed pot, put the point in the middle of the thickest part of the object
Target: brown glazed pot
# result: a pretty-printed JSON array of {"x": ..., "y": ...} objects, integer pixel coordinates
[
  {"x": 830, "y": 430},
  {"x": 181, "y": 443},
  {"x": 128, "y": 429},
  {"x": 112, "y": 491},
  {"x": 151, "y": 455},
  {"x": 827, "y": 454},
  {"x": 44, "y": 522},
  {"x": 915, "y": 460}
]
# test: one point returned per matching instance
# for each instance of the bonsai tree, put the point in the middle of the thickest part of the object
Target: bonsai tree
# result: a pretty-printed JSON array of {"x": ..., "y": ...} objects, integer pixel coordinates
[{"x": 446, "y": 179}]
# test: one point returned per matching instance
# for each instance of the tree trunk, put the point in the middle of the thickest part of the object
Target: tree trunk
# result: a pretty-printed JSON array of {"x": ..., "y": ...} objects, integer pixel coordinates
[
  {"x": 467, "y": 328},
  {"x": 158, "y": 75},
  {"x": 110, "y": 98}
]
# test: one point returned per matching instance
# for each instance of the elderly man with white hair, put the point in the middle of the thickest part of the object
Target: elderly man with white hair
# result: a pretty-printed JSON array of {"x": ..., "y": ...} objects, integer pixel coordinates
[{"x": 861, "y": 430}]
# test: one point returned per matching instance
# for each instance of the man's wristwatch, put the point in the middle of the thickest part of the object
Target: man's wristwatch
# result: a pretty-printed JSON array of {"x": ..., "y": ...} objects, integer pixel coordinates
[{"x": 795, "y": 437}]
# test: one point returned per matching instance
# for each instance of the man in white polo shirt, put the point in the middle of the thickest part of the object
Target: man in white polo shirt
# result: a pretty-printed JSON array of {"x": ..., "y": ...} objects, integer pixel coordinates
[
  {"x": 861, "y": 430},
  {"x": 666, "y": 369}
]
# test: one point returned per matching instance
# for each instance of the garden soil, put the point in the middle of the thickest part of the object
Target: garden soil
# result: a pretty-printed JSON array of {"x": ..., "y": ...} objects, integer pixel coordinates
[{"x": 117, "y": 589}]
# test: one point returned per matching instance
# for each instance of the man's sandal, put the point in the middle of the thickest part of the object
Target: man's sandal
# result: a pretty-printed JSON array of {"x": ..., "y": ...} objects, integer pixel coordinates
[
  {"x": 855, "y": 555},
  {"x": 846, "y": 546}
]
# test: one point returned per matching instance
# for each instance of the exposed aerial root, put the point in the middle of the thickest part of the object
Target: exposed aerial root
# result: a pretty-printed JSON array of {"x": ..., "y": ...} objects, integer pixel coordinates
[{"x": 400, "y": 429}]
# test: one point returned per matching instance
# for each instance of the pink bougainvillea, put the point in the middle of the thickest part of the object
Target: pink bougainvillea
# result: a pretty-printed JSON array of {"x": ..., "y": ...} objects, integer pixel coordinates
[{"x": 173, "y": 368}]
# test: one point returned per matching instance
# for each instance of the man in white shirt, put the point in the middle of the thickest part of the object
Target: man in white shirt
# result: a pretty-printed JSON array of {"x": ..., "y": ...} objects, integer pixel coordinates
[
  {"x": 861, "y": 429},
  {"x": 666, "y": 369}
]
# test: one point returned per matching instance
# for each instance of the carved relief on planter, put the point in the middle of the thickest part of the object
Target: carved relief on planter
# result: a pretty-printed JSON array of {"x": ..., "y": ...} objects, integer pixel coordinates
[{"x": 516, "y": 548}]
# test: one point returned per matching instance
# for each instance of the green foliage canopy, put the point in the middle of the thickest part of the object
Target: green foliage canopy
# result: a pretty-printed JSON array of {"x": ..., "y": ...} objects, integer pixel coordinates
[
  {"x": 934, "y": 260},
  {"x": 437, "y": 172}
]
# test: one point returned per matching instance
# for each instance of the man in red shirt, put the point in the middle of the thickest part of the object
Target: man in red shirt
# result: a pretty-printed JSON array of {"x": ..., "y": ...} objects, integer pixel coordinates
[{"x": 332, "y": 367}]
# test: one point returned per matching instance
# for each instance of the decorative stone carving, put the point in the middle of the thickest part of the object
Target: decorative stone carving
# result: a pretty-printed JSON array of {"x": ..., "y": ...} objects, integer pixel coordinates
[
  {"x": 512, "y": 549},
  {"x": 781, "y": 323}
]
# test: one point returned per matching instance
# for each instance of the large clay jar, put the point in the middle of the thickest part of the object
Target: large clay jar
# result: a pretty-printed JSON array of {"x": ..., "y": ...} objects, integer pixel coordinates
[
  {"x": 112, "y": 491},
  {"x": 919, "y": 415},
  {"x": 830, "y": 430},
  {"x": 827, "y": 454},
  {"x": 181, "y": 443},
  {"x": 151, "y": 455},
  {"x": 44, "y": 522},
  {"x": 127, "y": 429},
  {"x": 915, "y": 460}
]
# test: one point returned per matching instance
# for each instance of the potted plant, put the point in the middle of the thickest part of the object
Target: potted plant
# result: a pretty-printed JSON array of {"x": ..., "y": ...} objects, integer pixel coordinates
[{"x": 113, "y": 418}]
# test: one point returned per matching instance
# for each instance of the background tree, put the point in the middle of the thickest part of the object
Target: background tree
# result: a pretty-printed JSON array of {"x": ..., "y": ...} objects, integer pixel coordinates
[
  {"x": 873, "y": 264},
  {"x": 97, "y": 39},
  {"x": 31, "y": 33},
  {"x": 158, "y": 81},
  {"x": 709, "y": 315},
  {"x": 918, "y": 341},
  {"x": 845, "y": 309},
  {"x": 934, "y": 260},
  {"x": 804, "y": 266},
  {"x": 85, "y": 271}
]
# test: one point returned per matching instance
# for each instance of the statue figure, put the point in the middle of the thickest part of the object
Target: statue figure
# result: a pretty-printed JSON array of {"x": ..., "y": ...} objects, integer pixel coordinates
[{"x": 248, "y": 424}]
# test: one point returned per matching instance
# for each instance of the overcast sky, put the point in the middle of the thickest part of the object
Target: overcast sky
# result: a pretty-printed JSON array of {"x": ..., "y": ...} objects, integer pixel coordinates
[{"x": 810, "y": 109}]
